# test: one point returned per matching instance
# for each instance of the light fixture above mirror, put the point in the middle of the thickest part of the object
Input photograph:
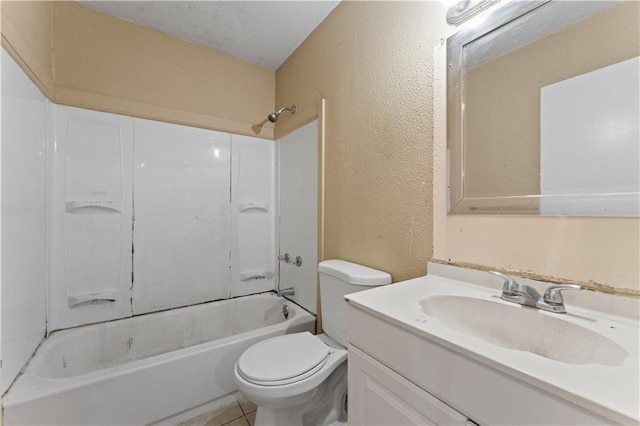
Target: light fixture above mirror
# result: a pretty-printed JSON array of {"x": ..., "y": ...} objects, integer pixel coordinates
[{"x": 460, "y": 11}]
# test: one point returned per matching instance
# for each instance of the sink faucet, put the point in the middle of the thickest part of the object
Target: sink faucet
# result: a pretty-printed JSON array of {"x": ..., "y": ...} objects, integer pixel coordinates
[
  {"x": 552, "y": 300},
  {"x": 523, "y": 294},
  {"x": 514, "y": 292}
]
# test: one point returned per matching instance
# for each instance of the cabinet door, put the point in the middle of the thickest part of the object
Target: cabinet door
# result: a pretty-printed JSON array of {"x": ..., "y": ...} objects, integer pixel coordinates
[{"x": 380, "y": 396}]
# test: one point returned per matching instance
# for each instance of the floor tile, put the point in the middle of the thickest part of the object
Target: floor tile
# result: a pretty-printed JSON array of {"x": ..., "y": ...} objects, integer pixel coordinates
[
  {"x": 246, "y": 405},
  {"x": 218, "y": 417},
  {"x": 251, "y": 418},
  {"x": 242, "y": 421}
]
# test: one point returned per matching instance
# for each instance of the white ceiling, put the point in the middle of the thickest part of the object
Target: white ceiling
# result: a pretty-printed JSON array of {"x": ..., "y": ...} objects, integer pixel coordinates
[{"x": 260, "y": 32}]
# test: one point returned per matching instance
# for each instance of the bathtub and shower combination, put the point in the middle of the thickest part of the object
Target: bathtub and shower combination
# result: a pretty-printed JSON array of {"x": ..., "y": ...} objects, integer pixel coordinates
[
  {"x": 157, "y": 368},
  {"x": 205, "y": 229}
]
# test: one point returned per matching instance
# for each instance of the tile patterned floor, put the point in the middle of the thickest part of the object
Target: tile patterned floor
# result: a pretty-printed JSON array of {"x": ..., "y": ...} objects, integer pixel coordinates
[{"x": 239, "y": 413}]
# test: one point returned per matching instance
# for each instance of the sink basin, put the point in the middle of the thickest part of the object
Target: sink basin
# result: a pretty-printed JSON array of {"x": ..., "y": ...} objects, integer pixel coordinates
[{"x": 524, "y": 329}]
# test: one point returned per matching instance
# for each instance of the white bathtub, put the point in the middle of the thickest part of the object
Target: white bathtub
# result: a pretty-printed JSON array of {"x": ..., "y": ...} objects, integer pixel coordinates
[{"x": 146, "y": 369}]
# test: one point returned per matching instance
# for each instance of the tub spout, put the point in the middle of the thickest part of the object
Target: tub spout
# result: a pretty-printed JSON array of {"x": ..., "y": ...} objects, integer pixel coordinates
[{"x": 286, "y": 292}]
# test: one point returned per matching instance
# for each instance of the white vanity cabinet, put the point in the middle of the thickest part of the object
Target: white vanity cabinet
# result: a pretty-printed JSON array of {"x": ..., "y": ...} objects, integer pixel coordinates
[
  {"x": 397, "y": 377},
  {"x": 380, "y": 396}
]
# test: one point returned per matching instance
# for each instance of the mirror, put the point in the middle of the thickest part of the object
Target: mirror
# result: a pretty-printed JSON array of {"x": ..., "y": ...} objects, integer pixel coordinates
[{"x": 543, "y": 110}]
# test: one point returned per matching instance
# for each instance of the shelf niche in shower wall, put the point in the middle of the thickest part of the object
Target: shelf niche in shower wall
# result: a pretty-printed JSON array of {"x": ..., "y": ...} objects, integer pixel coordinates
[
  {"x": 253, "y": 198},
  {"x": 91, "y": 217},
  {"x": 253, "y": 207}
]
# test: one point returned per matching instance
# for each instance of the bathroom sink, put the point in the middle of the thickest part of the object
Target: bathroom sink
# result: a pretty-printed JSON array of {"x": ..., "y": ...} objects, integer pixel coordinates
[{"x": 524, "y": 329}]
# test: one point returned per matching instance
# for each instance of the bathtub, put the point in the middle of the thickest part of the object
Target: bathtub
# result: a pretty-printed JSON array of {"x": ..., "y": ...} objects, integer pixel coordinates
[{"x": 154, "y": 368}]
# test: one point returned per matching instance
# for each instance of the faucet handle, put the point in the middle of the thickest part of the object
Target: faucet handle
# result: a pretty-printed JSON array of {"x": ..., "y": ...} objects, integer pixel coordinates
[
  {"x": 510, "y": 285},
  {"x": 553, "y": 294}
]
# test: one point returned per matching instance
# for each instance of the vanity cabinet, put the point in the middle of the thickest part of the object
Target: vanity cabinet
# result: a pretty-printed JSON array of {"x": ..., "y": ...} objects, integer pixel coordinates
[
  {"x": 380, "y": 396},
  {"x": 399, "y": 377}
]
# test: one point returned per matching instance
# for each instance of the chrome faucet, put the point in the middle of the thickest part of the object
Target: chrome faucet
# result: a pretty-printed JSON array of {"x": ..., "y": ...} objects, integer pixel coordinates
[
  {"x": 523, "y": 294},
  {"x": 514, "y": 292},
  {"x": 286, "y": 292},
  {"x": 552, "y": 300}
]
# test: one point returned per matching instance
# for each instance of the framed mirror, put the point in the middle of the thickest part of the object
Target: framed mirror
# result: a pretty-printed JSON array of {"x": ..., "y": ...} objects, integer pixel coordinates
[{"x": 543, "y": 110}]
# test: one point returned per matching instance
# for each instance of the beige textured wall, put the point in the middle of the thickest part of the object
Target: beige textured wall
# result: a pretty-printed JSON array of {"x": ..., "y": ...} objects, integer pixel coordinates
[
  {"x": 27, "y": 37},
  {"x": 502, "y": 137},
  {"x": 107, "y": 63},
  {"x": 86, "y": 58},
  {"x": 372, "y": 63}
]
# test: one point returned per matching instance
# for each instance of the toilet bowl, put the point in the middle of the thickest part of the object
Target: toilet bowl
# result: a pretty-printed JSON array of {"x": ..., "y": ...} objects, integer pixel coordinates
[
  {"x": 311, "y": 371},
  {"x": 301, "y": 379}
]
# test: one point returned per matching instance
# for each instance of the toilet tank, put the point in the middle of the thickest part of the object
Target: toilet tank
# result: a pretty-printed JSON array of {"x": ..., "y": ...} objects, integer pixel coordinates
[{"x": 338, "y": 278}]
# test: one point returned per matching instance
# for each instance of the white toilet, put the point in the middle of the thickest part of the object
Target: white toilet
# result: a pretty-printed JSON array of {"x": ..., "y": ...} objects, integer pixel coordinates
[{"x": 301, "y": 379}]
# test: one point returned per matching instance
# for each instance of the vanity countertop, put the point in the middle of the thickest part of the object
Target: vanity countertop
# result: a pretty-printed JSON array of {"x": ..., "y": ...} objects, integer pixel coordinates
[{"x": 610, "y": 391}]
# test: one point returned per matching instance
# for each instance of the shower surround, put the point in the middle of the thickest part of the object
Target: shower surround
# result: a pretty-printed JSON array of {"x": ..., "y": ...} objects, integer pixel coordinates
[
  {"x": 152, "y": 231},
  {"x": 147, "y": 216}
]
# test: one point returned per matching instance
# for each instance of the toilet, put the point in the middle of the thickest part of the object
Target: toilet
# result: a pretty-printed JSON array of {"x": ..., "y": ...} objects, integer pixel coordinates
[{"x": 301, "y": 379}]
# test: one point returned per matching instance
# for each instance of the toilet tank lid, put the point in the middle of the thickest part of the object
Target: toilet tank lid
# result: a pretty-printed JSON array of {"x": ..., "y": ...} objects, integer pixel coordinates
[{"x": 353, "y": 273}]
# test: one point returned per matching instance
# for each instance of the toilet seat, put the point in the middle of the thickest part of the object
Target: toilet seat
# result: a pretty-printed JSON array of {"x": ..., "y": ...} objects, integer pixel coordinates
[{"x": 283, "y": 360}]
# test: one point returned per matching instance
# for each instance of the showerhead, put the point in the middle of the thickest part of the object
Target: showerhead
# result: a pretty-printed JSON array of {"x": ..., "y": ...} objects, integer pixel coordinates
[{"x": 273, "y": 117}]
